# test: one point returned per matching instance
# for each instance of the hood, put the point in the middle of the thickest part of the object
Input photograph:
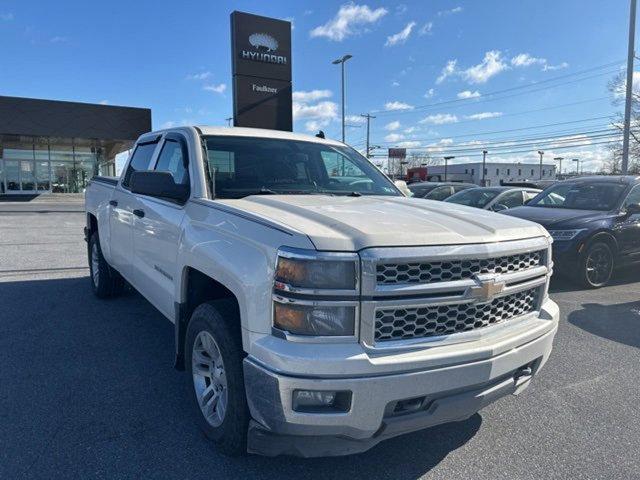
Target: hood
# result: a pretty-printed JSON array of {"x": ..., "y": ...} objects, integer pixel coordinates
[
  {"x": 557, "y": 218},
  {"x": 353, "y": 223}
]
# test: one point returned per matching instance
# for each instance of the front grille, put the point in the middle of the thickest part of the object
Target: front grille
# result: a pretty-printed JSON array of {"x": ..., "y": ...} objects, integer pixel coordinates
[
  {"x": 444, "y": 271},
  {"x": 399, "y": 323}
]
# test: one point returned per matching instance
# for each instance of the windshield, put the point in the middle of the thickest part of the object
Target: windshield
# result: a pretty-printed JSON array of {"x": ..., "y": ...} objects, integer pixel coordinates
[
  {"x": 580, "y": 196},
  {"x": 475, "y": 197},
  {"x": 242, "y": 166}
]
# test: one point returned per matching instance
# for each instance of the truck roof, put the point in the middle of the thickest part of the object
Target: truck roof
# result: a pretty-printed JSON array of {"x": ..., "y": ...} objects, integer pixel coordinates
[{"x": 263, "y": 133}]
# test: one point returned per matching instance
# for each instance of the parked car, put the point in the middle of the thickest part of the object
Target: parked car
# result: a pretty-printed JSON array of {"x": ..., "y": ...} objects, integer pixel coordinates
[
  {"x": 595, "y": 224},
  {"x": 437, "y": 190},
  {"x": 307, "y": 325},
  {"x": 540, "y": 184},
  {"x": 494, "y": 198}
]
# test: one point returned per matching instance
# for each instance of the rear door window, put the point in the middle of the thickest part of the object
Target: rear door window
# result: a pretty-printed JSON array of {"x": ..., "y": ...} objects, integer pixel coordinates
[
  {"x": 140, "y": 160},
  {"x": 511, "y": 199}
]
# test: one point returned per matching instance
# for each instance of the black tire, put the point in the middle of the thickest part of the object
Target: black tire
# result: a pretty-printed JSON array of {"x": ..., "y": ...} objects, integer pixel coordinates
[
  {"x": 105, "y": 281},
  {"x": 220, "y": 320},
  {"x": 596, "y": 265}
]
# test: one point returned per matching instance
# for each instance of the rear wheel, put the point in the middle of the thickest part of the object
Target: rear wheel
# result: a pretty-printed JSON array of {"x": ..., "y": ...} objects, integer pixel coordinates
[
  {"x": 214, "y": 361},
  {"x": 105, "y": 281},
  {"x": 596, "y": 265}
]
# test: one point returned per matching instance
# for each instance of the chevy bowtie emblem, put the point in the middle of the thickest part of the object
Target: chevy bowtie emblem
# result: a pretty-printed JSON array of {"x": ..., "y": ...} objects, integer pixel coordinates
[{"x": 487, "y": 289}]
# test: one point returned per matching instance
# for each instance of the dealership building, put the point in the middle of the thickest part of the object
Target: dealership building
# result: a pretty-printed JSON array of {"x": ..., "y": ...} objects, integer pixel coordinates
[
  {"x": 494, "y": 173},
  {"x": 53, "y": 146}
]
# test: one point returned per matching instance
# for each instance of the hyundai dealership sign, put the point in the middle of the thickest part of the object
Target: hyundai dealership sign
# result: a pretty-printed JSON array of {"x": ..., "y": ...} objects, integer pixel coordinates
[{"x": 261, "y": 55}]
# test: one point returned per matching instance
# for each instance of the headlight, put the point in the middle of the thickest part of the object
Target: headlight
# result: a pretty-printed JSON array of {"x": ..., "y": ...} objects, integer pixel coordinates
[
  {"x": 564, "y": 234},
  {"x": 318, "y": 320},
  {"x": 316, "y": 272},
  {"x": 315, "y": 294}
]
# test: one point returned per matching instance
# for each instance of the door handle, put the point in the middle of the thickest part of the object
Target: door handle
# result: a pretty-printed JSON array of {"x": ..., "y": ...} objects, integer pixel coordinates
[
  {"x": 113, "y": 203},
  {"x": 138, "y": 213}
]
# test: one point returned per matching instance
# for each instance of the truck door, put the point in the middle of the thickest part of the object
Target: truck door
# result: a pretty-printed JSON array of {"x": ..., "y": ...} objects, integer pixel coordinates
[
  {"x": 156, "y": 233},
  {"x": 123, "y": 207}
]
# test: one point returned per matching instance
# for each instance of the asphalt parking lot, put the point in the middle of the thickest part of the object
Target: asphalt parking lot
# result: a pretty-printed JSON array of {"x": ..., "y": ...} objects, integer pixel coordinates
[{"x": 88, "y": 389}]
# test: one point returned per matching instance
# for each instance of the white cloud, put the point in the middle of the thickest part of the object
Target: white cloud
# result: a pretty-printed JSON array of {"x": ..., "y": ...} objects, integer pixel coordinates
[
  {"x": 492, "y": 64},
  {"x": 395, "y": 84},
  {"x": 483, "y": 115},
  {"x": 392, "y": 126},
  {"x": 559, "y": 66},
  {"x": 409, "y": 144},
  {"x": 220, "y": 88},
  {"x": 6, "y": 17},
  {"x": 401, "y": 9},
  {"x": 355, "y": 119},
  {"x": 450, "y": 12},
  {"x": 310, "y": 96},
  {"x": 620, "y": 90},
  {"x": 411, "y": 130},
  {"x": 104, "y": 102},
  {"x": 426, "y": 29},
  {"x": 429, "y": 93},
  {"x": 395, "y": 105},
  {"x": 393, "y": 137},
  {"x": 199, "y": 76},
  {"x": 400, "y": 37},
  {"x": 439, "y": 119},
  {"x": 469, "y": 94},
  {"x": 348, "y": 21},
  {"x": 448, "y": 70},
  {"x": 525, "y": 60},
  {"x": 322, "y": 110}
]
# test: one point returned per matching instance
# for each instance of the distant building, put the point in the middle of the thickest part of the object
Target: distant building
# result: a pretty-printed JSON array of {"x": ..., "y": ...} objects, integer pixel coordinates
[
  {"x": 51, "y": 146},
  {"x": 495, "y": 173}
]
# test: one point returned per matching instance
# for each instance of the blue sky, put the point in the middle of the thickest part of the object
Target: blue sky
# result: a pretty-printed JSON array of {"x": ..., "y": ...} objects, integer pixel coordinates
[{"x": 426, "y": 69}]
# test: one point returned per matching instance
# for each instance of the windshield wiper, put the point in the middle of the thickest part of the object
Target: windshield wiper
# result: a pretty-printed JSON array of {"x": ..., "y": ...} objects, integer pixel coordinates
[{"x": 264, "y": 191}]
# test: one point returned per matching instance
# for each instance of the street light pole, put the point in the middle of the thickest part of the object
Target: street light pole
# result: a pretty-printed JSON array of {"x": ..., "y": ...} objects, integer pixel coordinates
[
  {"x": 541, "y": 153},
  {"x": 559, "y": 159},
  {"x": 629, "y": 89},
  {"x": 446, "y": 163},
  {"x": 341, "y": 62},
  {"x": 484, "y": 167},
  {"x": 577, "y": 160}
]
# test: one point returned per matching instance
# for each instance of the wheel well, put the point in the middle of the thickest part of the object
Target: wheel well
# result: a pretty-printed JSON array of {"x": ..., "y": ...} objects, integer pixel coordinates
[
  {"x": 604, "y": 236},
  {"x": 197, "y": 289}
]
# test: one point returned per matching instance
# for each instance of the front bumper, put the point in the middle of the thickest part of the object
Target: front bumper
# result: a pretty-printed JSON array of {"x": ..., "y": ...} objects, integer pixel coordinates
[{"x": 447, "y": 393}]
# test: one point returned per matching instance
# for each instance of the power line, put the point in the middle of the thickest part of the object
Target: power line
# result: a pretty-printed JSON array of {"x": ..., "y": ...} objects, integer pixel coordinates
[{"x": 497, "y": 92}]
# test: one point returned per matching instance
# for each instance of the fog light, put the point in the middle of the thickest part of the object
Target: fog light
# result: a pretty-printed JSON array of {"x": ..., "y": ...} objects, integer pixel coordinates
[{"x": 315, "y": 401}]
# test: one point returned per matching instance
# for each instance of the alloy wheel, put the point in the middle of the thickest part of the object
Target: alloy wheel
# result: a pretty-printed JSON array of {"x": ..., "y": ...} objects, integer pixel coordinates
[
  {"x": 209, "y": 379},
  {"x": 599, "y": 265}
]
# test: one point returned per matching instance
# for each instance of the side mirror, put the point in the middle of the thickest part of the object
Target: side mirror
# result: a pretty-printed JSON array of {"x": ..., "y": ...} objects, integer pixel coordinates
[
  {"x": 498, "y": 207},
  {"x": 633, "y": 209},
  {"x": 158, "y": 184}
]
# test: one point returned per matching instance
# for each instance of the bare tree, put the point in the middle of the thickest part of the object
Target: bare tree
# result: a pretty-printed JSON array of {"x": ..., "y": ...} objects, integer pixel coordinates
[
  {"x": 613, "y": 164},
  {"x": 419, "y": 159}
]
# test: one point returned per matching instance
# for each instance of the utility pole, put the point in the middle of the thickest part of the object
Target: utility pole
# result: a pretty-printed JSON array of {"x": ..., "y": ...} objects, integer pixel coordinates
[
  {"x": 341, "y": 62},
  {"x": 446, "y": 162},
  {"x": 368, "y": 117},
  {"x": 484, "y": 168},
  {"x": 559, "y": 159},
  {"x": 629, "y": 90},
  {"x": 228, "y": 119},
  {"x": 541, "y": 153}
]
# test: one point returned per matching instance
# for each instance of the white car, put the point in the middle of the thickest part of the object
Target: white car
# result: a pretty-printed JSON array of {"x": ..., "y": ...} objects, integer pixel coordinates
[{"x": 317, "y": 310}]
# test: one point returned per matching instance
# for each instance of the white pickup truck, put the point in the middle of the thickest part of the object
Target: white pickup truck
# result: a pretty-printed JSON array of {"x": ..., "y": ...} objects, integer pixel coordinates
[{"x": 317, "y": 310}]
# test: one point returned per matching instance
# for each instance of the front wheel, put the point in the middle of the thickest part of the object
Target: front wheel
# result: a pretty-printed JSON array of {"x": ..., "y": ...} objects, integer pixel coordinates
[
  {"x": 596, "y": 265},
  {"x": 214, "y": 361}
]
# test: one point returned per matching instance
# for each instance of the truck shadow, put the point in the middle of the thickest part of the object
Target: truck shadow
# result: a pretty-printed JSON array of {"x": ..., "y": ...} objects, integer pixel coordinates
[
  {"x": 89, "y": 391},
  {"x": 618, "y": 322}
]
